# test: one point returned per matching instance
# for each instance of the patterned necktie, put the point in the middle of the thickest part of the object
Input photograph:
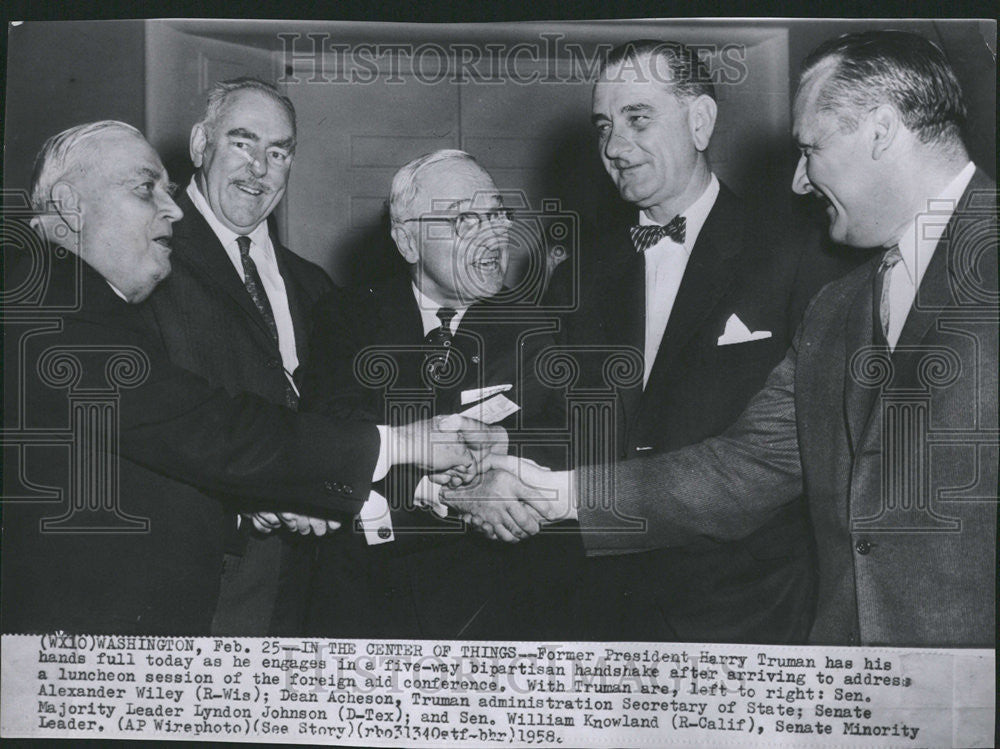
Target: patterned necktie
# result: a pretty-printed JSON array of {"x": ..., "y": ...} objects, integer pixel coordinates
[
  {"x": 644, "y": 237},
  {"x": 880, "y": 295},
  {"x": 255, "y": 288},
  {"x": 436, "y": 363}
]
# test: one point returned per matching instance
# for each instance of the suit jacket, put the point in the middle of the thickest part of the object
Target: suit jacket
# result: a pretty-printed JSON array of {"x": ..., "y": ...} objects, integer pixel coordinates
[
  {"x": 435, "y": 579},
  {"x": 897, "y": 454},
  {"x": 90, "y": 386},
  {"x": 209, "y": 325},
  {"x": 696, "y": 389}
]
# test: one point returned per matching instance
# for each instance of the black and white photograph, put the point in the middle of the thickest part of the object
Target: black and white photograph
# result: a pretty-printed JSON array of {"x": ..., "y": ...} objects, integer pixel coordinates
[{"x": 626, "y": 382}]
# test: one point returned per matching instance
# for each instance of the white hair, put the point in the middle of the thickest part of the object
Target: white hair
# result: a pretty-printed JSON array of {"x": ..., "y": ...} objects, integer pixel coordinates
[
  {"x": 62, "y": 153},
  {"x": 404, "y": 184}
]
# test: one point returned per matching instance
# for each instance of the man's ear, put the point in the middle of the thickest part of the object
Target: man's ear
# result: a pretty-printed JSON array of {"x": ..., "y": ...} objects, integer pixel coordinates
[
  {"x": 197, "y": 144},
  {"x": 405, "y": 244},
  {"x": 701, "y": 120},
  {"x": 885, "y": 124},
  {"x": 66, "y": 201}
]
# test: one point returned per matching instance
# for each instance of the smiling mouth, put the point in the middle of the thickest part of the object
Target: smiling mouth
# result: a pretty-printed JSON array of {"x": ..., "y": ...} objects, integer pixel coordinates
[
  {"x": 253, "y": 190},
  {"x": 488, "y": 263},
  {"x": 164, "y": 242}
]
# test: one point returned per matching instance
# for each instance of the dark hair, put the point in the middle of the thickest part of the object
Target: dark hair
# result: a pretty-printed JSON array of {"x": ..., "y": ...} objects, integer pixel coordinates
[
  {"x": 894, "y": 67},
  {"x": 687, "y": 76}
]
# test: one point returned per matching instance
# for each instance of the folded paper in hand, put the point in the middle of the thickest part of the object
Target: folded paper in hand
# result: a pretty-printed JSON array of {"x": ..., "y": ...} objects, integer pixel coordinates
[
  {"x": 478, "y": 394},
  {"x": 492, "y": 410},
  {"x": 737, "y": 332}
]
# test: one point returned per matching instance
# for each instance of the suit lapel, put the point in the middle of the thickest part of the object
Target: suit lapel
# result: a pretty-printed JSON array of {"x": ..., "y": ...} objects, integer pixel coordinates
[
  {"x": 709, "y": 273},
  {"x": 195, "y": 243},
  {"x": 859, "y": 334},
  {"x": 935, "y": 294},
  {"x": 944, "y": 273},
  {"x": 625, "y": 317}
]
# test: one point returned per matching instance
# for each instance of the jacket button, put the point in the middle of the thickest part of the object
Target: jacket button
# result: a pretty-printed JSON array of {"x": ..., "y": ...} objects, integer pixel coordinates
[
  {"x": 328, "y": 486},
  {"x": 863, "y": 547},
  {"x": 347, "y": 489},
  {"x": 273, "y": 363}
]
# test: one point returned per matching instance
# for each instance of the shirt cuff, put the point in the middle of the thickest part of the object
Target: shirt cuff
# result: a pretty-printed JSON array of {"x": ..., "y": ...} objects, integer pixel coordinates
[
  {"x": 376, "y": 520},
  {"x": 426, "y": 495},
  {"x": 382, "y": 464}
]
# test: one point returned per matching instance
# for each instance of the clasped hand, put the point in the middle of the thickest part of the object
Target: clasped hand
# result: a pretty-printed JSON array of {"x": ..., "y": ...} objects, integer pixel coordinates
[
  {"x": 452, "y": 448},
  {"x": 512, "y": 498}
]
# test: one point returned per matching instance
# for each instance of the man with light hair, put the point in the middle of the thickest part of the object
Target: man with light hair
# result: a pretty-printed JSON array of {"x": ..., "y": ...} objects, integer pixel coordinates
[
  {"x": 110, "y": 519},
  {"x": 446, "y": 344},
  {"x": 884, "y": 409}
]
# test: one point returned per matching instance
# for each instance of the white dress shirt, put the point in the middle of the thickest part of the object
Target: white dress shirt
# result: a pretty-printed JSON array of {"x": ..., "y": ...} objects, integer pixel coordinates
[
  {"x": 263, "y": 255},
  {"x": 429, "y": 309},
  {"x": 375, "y": 512},
  {"x": 916, "y": 246},
  {"x": 665, "y": 264}
]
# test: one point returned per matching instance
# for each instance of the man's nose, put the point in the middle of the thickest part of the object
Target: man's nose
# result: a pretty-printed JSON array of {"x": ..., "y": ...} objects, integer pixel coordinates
[
  {"x": 258, "y": 166},
  {"x": 615, "y": 146},
  {"x": 171, "y": 211},
  {"x": 800, "y": 182}
]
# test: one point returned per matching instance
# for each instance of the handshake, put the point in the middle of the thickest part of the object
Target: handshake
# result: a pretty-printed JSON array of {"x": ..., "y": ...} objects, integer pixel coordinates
[{"x": 502, "y": 496}]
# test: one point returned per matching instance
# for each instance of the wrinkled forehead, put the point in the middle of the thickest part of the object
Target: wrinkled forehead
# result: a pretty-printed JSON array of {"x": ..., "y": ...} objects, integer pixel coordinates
[
  {"x": 118, "y": 156},
  {"x": 254, "y": 109},
  {"x": 454, "y": 185},
  {"x": 808, "y": 92},
  {"x": 647, "y": 78}
]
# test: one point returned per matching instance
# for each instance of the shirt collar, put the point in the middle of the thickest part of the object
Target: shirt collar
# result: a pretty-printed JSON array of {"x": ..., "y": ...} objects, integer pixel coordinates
[
  {"x": 429, "y": 308},
  {"x": 921, "y": 235},
  {"x": 695, "y": 215},
  {"x": 258, "y": 237}
]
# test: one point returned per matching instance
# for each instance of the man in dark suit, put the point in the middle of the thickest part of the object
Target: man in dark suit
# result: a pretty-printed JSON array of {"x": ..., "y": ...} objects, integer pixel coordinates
[
  {"x": 884, "y": 409},
  {"x": 436, "y": 339},
  {"x": 106, "y": 440},
  {"x": 712, "y": 302},
  {"x": 240, "y": 318}
]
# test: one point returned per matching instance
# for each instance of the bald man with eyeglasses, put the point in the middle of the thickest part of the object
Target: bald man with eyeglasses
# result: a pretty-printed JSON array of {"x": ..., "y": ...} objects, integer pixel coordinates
[{"x": 439, "y": 337}]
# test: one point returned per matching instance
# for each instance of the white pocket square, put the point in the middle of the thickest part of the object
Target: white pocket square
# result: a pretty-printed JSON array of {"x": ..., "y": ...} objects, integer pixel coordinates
[{"x": 737, "y": 332}]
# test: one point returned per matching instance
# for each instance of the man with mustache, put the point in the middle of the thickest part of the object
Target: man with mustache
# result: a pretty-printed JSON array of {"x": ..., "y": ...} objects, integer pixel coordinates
[
  {"x": 236, "y": 311},
  {"x": 114, "y": 457},
  {"x": 884, "y": 409},
  {"x": 439, "y": 335}
]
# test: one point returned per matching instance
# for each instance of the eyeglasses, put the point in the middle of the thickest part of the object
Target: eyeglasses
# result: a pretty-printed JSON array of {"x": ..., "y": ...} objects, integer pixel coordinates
[{"x": 468, "y": 222}]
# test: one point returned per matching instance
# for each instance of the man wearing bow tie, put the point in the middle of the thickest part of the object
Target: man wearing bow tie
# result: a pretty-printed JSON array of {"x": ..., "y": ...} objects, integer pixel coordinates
[
  {"x": 710, "y": 301},
  {"x": 884, "y": 408}
]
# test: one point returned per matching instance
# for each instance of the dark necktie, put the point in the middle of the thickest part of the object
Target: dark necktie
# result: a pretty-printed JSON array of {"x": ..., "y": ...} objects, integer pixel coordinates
[
  {"x": 436, "y": 363},
  {"x": 644, "y": 237},
  {"x": 255, "y": 288},
  {"x": 880, "y": 296}
]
